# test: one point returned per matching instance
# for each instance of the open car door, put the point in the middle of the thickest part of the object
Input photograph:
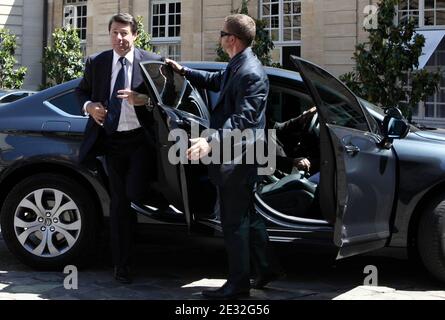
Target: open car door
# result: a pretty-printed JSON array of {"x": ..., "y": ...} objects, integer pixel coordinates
[
  {"x": 167, "y": 90},
  {"x": 362, "y": 172}
]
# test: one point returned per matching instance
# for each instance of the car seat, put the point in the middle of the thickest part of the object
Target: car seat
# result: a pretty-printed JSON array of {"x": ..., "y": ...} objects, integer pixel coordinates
[{"x": 292, "y": 195}]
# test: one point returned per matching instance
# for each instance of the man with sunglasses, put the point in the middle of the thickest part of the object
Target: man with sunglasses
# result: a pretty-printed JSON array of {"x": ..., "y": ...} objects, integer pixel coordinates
[{"x": 243, "y": 88}]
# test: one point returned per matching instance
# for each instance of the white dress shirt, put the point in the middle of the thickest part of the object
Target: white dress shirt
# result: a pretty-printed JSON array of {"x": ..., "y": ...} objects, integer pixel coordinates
[{"x": 128, "y": 119}]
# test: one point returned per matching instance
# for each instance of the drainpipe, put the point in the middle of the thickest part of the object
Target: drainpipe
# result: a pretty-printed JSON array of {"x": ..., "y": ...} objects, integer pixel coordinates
[
  {"x": 202, "y": 30},
  {"x": 357, "y": 19},
  {"x": 45, "y": 35}
]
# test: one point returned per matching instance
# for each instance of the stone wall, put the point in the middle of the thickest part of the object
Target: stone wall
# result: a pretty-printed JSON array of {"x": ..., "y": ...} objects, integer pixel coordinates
[
  {"x": 331, "y": 29},
  {"x": 24, "y": 18}
]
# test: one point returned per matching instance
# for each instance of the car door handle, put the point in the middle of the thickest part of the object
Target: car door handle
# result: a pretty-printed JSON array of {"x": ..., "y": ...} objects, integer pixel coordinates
[{"x": 351, "y": 149}]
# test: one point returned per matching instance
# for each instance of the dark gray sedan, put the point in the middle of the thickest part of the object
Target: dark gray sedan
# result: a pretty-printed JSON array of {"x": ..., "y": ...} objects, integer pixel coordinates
[{"x": 375, "y": 184}]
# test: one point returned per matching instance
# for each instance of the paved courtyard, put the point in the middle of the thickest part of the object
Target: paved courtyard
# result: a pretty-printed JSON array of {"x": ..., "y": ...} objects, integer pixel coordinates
[{"x": 179, "y": 268}]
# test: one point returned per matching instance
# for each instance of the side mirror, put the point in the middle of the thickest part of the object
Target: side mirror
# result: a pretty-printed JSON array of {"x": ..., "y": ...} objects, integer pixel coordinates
[
  {"x": 394, "y": 127},
  {"x": 394, "y": 124}
]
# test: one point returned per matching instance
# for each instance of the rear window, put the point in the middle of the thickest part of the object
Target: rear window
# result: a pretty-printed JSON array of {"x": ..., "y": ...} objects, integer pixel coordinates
[
  {"x": 68, "y": 103},
  {"x": 13, "y": 97}
]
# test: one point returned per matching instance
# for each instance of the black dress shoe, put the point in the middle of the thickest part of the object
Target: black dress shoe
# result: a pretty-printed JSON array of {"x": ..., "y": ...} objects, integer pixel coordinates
[
  {"x": 261, "y": 281},
  {"x": 122, "y": 274},
  {"x": 227, "y": 291}
]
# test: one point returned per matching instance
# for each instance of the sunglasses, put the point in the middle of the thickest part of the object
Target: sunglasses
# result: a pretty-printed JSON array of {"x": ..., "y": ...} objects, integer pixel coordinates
[{"x": 223, "y": 34}]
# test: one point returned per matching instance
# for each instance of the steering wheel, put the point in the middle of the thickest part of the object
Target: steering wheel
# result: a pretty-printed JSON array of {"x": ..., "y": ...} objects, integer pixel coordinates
[{"x": 314, "y": 127}]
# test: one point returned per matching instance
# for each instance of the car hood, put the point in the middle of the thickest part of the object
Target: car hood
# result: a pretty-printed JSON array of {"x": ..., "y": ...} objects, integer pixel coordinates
[{"x": 437, "y": 135}]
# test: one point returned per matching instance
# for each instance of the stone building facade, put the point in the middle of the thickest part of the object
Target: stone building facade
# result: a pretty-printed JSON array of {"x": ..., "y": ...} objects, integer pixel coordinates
[
  {"x": 329, "y": 29},
  {"x": 25, "y": 18},
  {"x": 322, "y": 31}
]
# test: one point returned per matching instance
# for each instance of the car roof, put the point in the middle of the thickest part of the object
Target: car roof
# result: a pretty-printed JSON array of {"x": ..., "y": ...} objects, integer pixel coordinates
[
  {"x": 15, "y": 90},
  {"x": 40, "y": 96},
  {"x": 5, "y": 92},
  {"x": 213, "y": 65},
  {"x": 271, "y": 71}
]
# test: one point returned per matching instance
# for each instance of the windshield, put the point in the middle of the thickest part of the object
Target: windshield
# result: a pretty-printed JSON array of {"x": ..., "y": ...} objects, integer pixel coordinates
[
  {"x": 378, "y": 113},
  {"x": 368, "y": 105}
]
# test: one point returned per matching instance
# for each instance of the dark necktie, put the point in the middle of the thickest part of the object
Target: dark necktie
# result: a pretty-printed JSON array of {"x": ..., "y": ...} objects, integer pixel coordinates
[{"x": 114, "y": 107}]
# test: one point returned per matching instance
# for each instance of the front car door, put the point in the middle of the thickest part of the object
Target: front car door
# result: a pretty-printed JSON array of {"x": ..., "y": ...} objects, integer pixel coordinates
[{"x": 360, "y": 173}]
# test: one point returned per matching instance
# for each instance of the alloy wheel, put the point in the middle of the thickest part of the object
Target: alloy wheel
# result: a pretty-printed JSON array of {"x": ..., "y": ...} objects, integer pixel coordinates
[{"x": 47, "y": 222}]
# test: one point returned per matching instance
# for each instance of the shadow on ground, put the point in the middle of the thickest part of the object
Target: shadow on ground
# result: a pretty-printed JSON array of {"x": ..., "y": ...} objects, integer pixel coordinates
[{"x": 177, "y": 266}]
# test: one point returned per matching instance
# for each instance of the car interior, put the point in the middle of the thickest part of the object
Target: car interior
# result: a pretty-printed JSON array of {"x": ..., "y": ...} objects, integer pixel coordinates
[{"x": 289, "y": 191}]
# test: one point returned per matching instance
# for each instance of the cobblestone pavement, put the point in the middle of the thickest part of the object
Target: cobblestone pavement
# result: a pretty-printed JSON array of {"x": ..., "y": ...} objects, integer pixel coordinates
[{"x": 171, "y": 268}]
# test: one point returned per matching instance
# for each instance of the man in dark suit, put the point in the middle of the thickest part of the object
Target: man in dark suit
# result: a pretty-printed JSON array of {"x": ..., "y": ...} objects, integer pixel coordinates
[
  {"x": 112, "y": 92},
  {"x": 244, "y": 88}
]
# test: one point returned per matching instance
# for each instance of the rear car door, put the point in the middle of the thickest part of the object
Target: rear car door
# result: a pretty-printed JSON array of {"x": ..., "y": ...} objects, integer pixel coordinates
[
  {"x": 365, "y": 171},
  {"x": 173, "y": 103}
]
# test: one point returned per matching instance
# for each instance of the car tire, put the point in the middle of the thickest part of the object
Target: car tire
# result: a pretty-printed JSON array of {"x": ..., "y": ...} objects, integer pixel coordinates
[
  {"x": 48, "y": 221},
  {"x": 431, "y": 237}
]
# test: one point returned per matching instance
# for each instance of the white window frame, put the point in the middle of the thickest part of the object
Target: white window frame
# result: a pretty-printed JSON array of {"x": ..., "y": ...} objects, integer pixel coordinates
[
  {"x": 421, "y": 106},
  {"x": 165, "y": 42},
  {"x": 281, "y": 43},
  {"x": 166, "y": 38},
  {"x": 165, "y": 46},
  {"x": 74, "y": 4},
  {"x": 422, "y": 16},
  {"x": 436, "y": 103}
]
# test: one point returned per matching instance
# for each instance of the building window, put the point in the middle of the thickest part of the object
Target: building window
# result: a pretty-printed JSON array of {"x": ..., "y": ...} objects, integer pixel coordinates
[
  {"x": 434, "y": 13},
  {"x": 170, "y": 50},
  {"x": 435, "y": 105},
  {"x": 424, "y": 12},
  {"x": 166, "y": 28},
  {"x": 75, "y": 16},
  {"x": 283, "y": 22},
  {"x": 428, "y": 14},
  {"x": 408, "y": 9}
]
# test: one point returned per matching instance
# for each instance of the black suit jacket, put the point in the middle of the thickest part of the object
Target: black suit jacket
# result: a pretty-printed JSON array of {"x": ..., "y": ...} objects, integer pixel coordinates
[
  {"x": 241, "y": 105},
  {"x": 95, "y": 86}
]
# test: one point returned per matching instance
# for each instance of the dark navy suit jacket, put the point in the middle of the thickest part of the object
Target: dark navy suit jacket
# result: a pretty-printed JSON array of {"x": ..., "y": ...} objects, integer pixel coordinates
[
  {"x": 95, "y": 86},
  {"x": 241, "y": 105}
]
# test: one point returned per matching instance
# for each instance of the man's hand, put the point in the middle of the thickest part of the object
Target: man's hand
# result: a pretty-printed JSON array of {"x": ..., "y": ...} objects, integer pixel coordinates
[
  {"x": 97, "y": 111},
  {"x": 176, "y": 66},
  {"x": 133, "y": 97},
  {"x": 199, "y": 149},
  {"x": 302, "y": 164},
  {"x": 310, "y": 112}
]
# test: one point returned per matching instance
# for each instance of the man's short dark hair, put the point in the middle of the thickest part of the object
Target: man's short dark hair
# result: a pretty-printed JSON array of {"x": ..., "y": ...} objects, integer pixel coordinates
[
  {"x": 124, "y": 18},
  {"x": 242, "y": 26}
]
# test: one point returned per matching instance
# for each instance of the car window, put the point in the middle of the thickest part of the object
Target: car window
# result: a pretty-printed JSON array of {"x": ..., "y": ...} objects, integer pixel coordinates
[
  {"x": 340, "y": 106},
  {"x": 373, "y": 122},
  {"x": 284, "y": 103},
  {"x": 67, "y": 102},
  {"x": 168, "y": 85},
  {"x": 13, "y": 97},
  {"x": 192, "y": 103}
]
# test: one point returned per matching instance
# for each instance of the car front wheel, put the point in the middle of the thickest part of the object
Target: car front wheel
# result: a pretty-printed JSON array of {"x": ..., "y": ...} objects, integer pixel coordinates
[
  {"x": 48, "y": 222},
  {"x": 431, "y": 237}
]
